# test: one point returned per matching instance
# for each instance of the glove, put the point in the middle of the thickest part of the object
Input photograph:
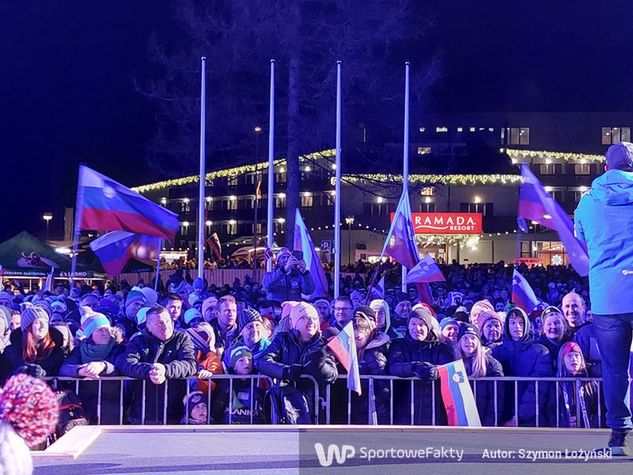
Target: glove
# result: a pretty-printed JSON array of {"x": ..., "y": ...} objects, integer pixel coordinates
[
  {"x": 32, "y": 369},
  {"x": 293, "y": 372},
  {"x": 424, "y": 371}
]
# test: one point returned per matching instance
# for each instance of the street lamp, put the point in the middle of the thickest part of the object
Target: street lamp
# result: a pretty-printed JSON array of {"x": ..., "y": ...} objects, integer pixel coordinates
[
  {"x": 47, "y": 218},
  {"x": 349, "y": 220}
]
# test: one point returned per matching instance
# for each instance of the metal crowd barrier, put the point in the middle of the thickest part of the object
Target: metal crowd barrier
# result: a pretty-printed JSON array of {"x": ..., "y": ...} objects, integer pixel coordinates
[
  {"x": 77, "y": 383},
  {"x": 328, "y": 403},
  {"x": 514, "y": 381}
]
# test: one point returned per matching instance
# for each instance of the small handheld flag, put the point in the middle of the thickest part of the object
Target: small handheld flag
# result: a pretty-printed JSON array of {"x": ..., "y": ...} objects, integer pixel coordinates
[
  {"x": 522, "y": 294},
  {"x": 343, "y": 346},
  {"x": 461, "y": 409},
  {"x": 425, "y": 271}
]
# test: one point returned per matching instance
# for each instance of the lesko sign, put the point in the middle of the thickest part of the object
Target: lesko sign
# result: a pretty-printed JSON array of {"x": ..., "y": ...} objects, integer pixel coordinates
[{"x": 447, "y": 223}]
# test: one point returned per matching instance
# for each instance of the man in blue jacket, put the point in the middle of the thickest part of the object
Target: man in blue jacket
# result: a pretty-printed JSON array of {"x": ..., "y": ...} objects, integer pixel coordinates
[
  {"x": 289, "y": 280},
  {"x": 604, "y": 221}
]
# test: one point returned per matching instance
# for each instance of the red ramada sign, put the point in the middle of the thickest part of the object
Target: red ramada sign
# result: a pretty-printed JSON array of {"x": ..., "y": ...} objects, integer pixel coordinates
[{"x": 446, "y": 223}]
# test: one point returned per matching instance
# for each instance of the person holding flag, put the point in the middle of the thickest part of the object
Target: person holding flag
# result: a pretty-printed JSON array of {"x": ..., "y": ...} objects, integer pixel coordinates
[{"x": 417, "y": 355}]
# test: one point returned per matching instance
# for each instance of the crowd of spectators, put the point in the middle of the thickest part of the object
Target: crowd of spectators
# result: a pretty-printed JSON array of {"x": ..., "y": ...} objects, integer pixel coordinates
[{"x": 189, "y": 333}]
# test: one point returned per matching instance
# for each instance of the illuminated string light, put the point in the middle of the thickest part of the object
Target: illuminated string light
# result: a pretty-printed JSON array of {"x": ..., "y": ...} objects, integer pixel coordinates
[{"x": 520, "y": 155}]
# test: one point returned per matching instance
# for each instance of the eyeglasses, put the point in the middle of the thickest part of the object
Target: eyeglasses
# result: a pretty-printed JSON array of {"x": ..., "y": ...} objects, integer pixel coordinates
[{"x": 342, "y": 308}]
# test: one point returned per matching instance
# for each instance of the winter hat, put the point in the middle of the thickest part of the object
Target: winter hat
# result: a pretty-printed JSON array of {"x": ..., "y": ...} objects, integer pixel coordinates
[
  {"x": 286, "y": 308},
  {"x": 191, "y": 315},
  {"x": 5, "y": 314},
  {"x": 208, "y": 303},
  {"x": 425, "y": 306},
  {"x": 300, "y": 310},
  {"x": 424, "y": 314},
  {"x": 282, "y": 252},
  {"x": 141, "y": 316},
  {"x": 198, "y": 283},
  {"x": 569, "y": 347},
  {"x": 193, "y": 299},
  {"x": 92, "y": 321},
  {"x": 466, "y": 329},
  {"x": 30, "y": 407},
  {"x": 135, "y": 296},
  {"x": 249, "y": 315},
  {"x": 382, "y": 304},
  {"x": 32, "y": 313},
  {"x": 151, "y": 297},
  {"x": 202, "y": 336},
  {"x": 485, "y": 316},
  {"x": 446, "y": 321},
  {"x": 620, "y": 156},
  {"x": 193, "y": 399},
  {"x": 478, "y": 308},
  {"x": 237, "y": 353},
  {"x": 59, "y": 306},
  {"x": 4, "y": 295}
]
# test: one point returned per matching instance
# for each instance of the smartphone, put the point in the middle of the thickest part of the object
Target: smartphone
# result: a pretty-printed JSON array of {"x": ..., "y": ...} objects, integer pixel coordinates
[{"x": 298, "y": 255}]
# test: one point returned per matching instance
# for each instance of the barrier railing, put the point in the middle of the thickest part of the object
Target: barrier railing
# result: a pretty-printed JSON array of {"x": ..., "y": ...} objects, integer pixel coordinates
[
  {"x": 542, "y": 390},
  {"x": 81, "y": 386}
]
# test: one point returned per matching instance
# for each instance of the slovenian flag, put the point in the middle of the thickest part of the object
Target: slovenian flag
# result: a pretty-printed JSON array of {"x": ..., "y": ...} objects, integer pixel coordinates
[
  {"x": 457, "y": 395},
  {"x": 522, "y": 294},
  {"x": 400, "y": 243},
  {"x": 303, "y": 243},
  {"x": 343, "y": 346},
  {"x": 215, "y": 246},
  {"x": 115, "y": 248},
  {"x": 536, "y": 204},
  {"x": 425, "y": 271},
  {"x": 106, "y": 205}
]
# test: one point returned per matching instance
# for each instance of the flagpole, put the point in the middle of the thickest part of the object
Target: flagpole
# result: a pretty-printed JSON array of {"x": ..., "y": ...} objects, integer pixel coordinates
[
  {"x": 405, "y": 153},
  {"x": 76, "y": 231},
  {"x": 271, "y": 164},
  {"x": 337, "y": 188},
  {"x": 158, "y": 266},
  {"x": 255, "y": 227},
  {"x": 203, "y": 63}
]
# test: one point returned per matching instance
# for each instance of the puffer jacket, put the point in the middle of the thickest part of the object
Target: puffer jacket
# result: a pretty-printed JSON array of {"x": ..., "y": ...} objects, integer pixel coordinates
[
  {"x": 526, "y": 358},
  {"x": 604, "y": 221},
  {"x": 178, "y": 355},
  {"x": 282, "y": 286},
  {"x": 373, "y": 361},
  {"x": 404, "y": 353},
  {"x": 484, "y": 392}
]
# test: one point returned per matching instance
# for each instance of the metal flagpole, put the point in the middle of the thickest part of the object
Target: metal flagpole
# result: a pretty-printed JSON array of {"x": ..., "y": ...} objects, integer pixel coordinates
[
  {"x": 271, "y": 164},
  {"x": 255, "y": 234},
  {"x": 158, "y": 267},
  {"x": 337, "y": 188},
  {"x": 405, "y": 153},
  {"x": 76, "y": 231},
  {"x": 201, "y": 224}
]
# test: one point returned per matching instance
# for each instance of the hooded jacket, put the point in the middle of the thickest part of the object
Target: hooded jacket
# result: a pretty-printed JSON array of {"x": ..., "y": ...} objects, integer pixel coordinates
[
  {"x": 604, "y": 221},
  {"x": 524, "y": 357}
]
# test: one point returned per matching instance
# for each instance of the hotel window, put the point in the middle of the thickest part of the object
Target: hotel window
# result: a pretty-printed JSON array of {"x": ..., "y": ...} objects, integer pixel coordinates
[
  {"x": 519, "y": 136},
  {"x": 185, "y": 206},
  {"x": 486, "y": 209},
  {"x": 551, "y": 168},
  {"x": 558, "y": 195},
  {"x": 428, "y": 191},
  {"x": 424, "y": 150},
  {"x": 280, "y": 201},
  {"x": 232, "y": 181},
  {"x": 280, "y": 176},
  {"x": 611, "y": 135},
  {"x": 230, "y": 228},
  {"x": 582, "y": 169},
  {"x": 231, "y": 204},
  {"x": 441, "y": 130},
  {"x": 306, "y": 200},
  {"x": 427, "y": 207},
  {"x": 279, "y": 226}
]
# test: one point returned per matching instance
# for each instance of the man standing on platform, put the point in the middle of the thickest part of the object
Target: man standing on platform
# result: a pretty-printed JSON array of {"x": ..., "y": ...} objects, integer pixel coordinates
[{"x": 604, "y": 221}]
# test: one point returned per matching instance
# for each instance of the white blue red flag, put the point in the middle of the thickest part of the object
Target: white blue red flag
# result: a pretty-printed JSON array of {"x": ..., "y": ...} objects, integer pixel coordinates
[
  {"x": 425, "y": 271},
  {"x": 303, "y": 243},
  {"x": 378, "y": 290},
  {"x": 536, "y": 204},
  {"x": 457, "y": 395},
  {"x": 116, "y": 248},
  {"x": 400, "y": 243},
  {"x": 343, "y": 346},
  {"x": 106, "y": 205},
  {"x": 522, "y": 294}
]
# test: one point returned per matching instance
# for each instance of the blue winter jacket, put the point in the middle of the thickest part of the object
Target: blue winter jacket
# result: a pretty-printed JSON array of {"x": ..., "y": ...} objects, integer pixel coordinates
[{"x": 604, "y": 221}]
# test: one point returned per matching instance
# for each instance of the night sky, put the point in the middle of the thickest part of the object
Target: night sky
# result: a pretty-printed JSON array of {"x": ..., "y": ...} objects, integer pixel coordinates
[{"x": 67, "y": 92}]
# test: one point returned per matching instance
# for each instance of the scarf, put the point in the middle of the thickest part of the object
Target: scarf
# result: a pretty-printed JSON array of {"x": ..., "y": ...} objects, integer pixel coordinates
[{"x": 91, "y": 352}]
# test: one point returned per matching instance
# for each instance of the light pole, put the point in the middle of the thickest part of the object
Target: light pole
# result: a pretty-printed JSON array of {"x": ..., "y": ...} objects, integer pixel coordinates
[
  {"x": 349, "y": 220},
  {"x": 47, "y": 217}
]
